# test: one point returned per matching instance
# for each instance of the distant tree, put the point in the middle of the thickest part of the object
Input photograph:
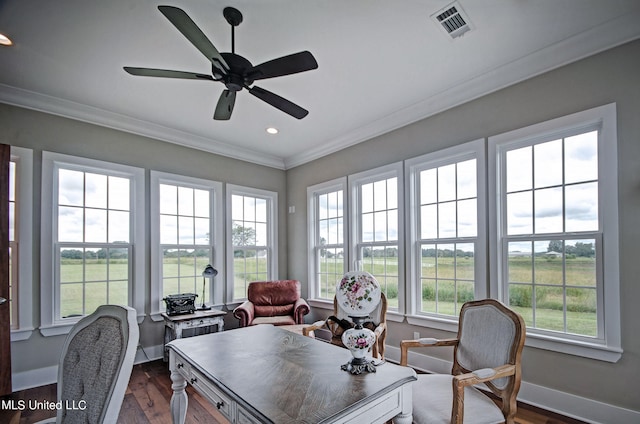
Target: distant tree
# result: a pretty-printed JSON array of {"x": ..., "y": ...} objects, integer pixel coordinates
[
  {"x": 243, "y": 236},
  {"x": 555, "y": 246}
]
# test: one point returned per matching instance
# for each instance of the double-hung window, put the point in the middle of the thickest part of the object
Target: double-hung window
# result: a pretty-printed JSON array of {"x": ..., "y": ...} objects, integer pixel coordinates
[
  {"x": 251, "y": 238},
  {"x": 556, "y": 231},
  {"x": 93, "y": 238},
  {"x": 377, "y": 238},
  {"x": 186, "y": 236},
  {"x": 20, "y": 228},
  {"x": 328, "y": 231},
  {"x": 447, "y": 231}
]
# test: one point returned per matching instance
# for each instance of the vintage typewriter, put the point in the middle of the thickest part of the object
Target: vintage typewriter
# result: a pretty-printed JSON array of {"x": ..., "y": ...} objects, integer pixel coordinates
[{"x": 178, "y": 304}]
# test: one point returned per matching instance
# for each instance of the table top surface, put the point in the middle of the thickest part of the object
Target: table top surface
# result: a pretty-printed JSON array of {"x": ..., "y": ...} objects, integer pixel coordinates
[
  {"x": 197, "y": 314},
  {"x": 286, "y": 377}
]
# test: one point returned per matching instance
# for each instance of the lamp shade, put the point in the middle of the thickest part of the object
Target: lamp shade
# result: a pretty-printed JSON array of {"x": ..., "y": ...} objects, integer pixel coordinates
[
  {"x": 358, "y": 293},
  {"x": 209, "y": 271}
]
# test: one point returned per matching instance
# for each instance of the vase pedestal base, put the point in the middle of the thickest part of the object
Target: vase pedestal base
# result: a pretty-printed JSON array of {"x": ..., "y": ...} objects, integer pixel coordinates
[{"x": 358, "y": 366}]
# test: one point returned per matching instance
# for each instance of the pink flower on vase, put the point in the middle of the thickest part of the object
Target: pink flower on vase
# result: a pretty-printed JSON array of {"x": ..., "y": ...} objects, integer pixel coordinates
[{"x": 361, "y": 342}]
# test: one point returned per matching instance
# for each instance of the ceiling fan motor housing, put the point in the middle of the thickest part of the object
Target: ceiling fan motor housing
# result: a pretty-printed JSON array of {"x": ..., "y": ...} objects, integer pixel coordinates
[{"x": 235, "y": 79}]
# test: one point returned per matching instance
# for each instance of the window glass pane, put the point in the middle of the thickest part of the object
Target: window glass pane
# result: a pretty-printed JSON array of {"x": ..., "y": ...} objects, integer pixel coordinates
[
  {"x": 118, "y": 227},
  {"x": 428, "y": 261},
  {"x": 519, "y": 210},
  {"x": 581, "y": 157},
  {"x": 580, "y": 265},
  {"x": 237, "y": 207},
  {"x": 118, "y": 293},
  {"x": 261, "y": 234},
  {"x": 548, "y": 210},
  {"x": 185, "y": 230},
  {"x": 446, "y": 183},
  {"x": 249, "y": 208},
  {"x": 366, "y": 197},
  {"x": 429, "y": 222},
  {"x": 467, "y": 218},
  {"x": 392, "y": 225},
  {"x": 466, "y": 179},
  {"x": 380, "y": 195},
  {"x": 202, "y": 233},
  {"x": 465, "y": 261},
  {"x": 392, "y": 193},
  {"x": 168, "y": 229},
  {"x": 548, "y": 265},
  {"x": 95, "y": 265},
  {"x": 380, "y": 224},
  {"x": 185, "y": 201},
  {"x": 582, "y": 311},
  {"x": 119, "y": 266},
  {"x": 519, "y": 169},
  {"x": 581, "y": 207},
  {"x": 96, "y": 225},
  {"x": 548, "y": 163},
  {"x": 119, "y": 194},
  {"x": 168, "y": 199},
  {"x": 96, "y": 190},
  {"x": 71, "y": 299},
  {"x": 70, "y": 224},
  {"x": 261, "y": 210},
  {"x": 367, "y": 227},
  {"x": 70, "y": 187},
  {"x": 520, "y": 266},
  {"x": 323, "y": 206},
  {"x": 201, "y": 203},
  {"x": 428, "y": 186},
  {"x": 447, "y": 219}
]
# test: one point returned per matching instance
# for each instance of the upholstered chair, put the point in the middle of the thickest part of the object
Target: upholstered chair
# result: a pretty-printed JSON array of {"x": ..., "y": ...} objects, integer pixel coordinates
[
  {"x": 95, "y": 367},
  {"x": 486, "y": 352},
  {"x": 377, "y": 323},
  {"x": 272, "y": 302}
]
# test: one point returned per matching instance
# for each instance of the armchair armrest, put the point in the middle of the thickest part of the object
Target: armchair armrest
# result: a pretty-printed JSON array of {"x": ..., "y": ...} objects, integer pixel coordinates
[
  {"x": 469, "y": 379},
  {"x": 307, "y": 331},
  {"x": 405, "y": 345},
  {"x": 245, "y": 313},
  {"x": 300, "y": 309}
]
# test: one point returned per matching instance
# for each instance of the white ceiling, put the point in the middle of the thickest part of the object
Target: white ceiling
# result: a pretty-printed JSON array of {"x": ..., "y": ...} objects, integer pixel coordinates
[{"x": 382, "y": 64}]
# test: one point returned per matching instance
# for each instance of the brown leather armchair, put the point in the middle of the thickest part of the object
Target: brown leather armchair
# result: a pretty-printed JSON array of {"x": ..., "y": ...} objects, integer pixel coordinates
[{"x": 272, "y": 302}]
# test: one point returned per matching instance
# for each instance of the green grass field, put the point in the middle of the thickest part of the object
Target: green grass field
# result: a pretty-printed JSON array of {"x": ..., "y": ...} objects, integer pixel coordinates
[{"x": 446, "y": 285}]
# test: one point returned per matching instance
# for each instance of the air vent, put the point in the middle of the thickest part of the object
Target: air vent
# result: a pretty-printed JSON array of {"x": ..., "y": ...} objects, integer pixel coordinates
[{"x": 452, "y": 20}]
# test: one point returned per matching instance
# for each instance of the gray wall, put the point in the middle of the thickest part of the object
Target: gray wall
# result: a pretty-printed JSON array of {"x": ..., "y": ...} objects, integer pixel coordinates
[
  {"x": 39, "y": 131},
  {"x": 612, "y": 76}
]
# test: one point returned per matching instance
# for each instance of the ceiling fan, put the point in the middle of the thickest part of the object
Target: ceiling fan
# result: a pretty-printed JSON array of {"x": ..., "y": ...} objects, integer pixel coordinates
[{"x": 233, "y": 70}]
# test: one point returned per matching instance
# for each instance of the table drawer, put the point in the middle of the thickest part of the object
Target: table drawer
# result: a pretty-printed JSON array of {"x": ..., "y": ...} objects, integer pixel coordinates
[
  {"x": 202, "y": 322},
  {"x": 212, "y": 393},
  {"x": 243, "y": 417}
]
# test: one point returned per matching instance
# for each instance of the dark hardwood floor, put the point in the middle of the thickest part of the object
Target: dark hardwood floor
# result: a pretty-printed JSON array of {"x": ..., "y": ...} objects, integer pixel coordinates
[{"x": 149, "y": 392}]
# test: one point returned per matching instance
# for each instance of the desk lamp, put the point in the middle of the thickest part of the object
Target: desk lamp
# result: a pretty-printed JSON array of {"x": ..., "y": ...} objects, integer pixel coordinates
[{"x": 209, "y": 272}]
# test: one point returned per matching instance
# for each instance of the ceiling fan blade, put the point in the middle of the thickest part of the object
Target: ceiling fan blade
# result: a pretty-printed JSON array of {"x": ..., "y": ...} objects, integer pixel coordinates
[
  {"x": 279, "y": 102},
  {"x": 285, "y": 65},
  {"x": 165, "y": 73},
  {"x": 225, "y": 105},
  {"x": 189, "y": 29}
]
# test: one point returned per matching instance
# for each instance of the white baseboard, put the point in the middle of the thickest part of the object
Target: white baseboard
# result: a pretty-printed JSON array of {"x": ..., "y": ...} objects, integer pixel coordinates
[
  {"x": 569, "y": 405},
  {"x": 49, "y": 375}
]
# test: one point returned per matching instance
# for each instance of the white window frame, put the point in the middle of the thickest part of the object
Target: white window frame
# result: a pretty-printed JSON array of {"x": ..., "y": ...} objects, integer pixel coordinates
[
  {"x": 24, "y": 200},
  {"x": 50, "y": 324},
  {"x": 313, "y": 192},
  {"x": 355, "y": 182},
  {"x": 413, "y": 167},
  {"x": 272, "y": 234},
  {"x": 216, "y": 243},
  {"x": 609, "y": 346}
]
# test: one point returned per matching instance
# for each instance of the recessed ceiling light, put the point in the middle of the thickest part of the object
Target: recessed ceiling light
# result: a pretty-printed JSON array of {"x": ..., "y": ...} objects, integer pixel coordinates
[
  {"x": 272, "y": 130},
  {"x": 5, "y": 41}
]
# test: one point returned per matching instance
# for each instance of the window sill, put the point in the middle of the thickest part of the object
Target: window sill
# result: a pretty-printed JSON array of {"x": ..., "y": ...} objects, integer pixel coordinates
[
  {"x": 21, "y": 334},
  {"x": 56, "y": 330}
]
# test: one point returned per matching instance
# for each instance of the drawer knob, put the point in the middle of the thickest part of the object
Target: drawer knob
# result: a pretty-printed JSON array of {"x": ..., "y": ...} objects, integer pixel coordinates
[
  {"x": 219, "y": 405},
  {"x": 180, "y": 365},
  {"x": 193, "y": 380}
]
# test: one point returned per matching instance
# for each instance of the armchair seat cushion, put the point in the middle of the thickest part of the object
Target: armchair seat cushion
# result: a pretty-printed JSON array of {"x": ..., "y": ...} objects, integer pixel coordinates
[
  {"x": 272, "y": 302},
  {"x": 435, "y": 391},
  {"x": 279, "y": 320}
]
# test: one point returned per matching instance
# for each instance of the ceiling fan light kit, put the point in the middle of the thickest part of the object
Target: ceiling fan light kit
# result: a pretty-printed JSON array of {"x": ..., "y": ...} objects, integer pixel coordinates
[{"x": 231, "y": 69}]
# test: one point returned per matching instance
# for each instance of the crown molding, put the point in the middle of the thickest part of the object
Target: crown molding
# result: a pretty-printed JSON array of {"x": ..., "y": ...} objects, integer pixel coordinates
[{"x": 56, "y": 106}]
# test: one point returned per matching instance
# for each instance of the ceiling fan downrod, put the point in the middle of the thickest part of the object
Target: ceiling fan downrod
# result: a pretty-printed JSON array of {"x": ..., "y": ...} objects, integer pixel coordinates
[{"x": 234, "y": 17}]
